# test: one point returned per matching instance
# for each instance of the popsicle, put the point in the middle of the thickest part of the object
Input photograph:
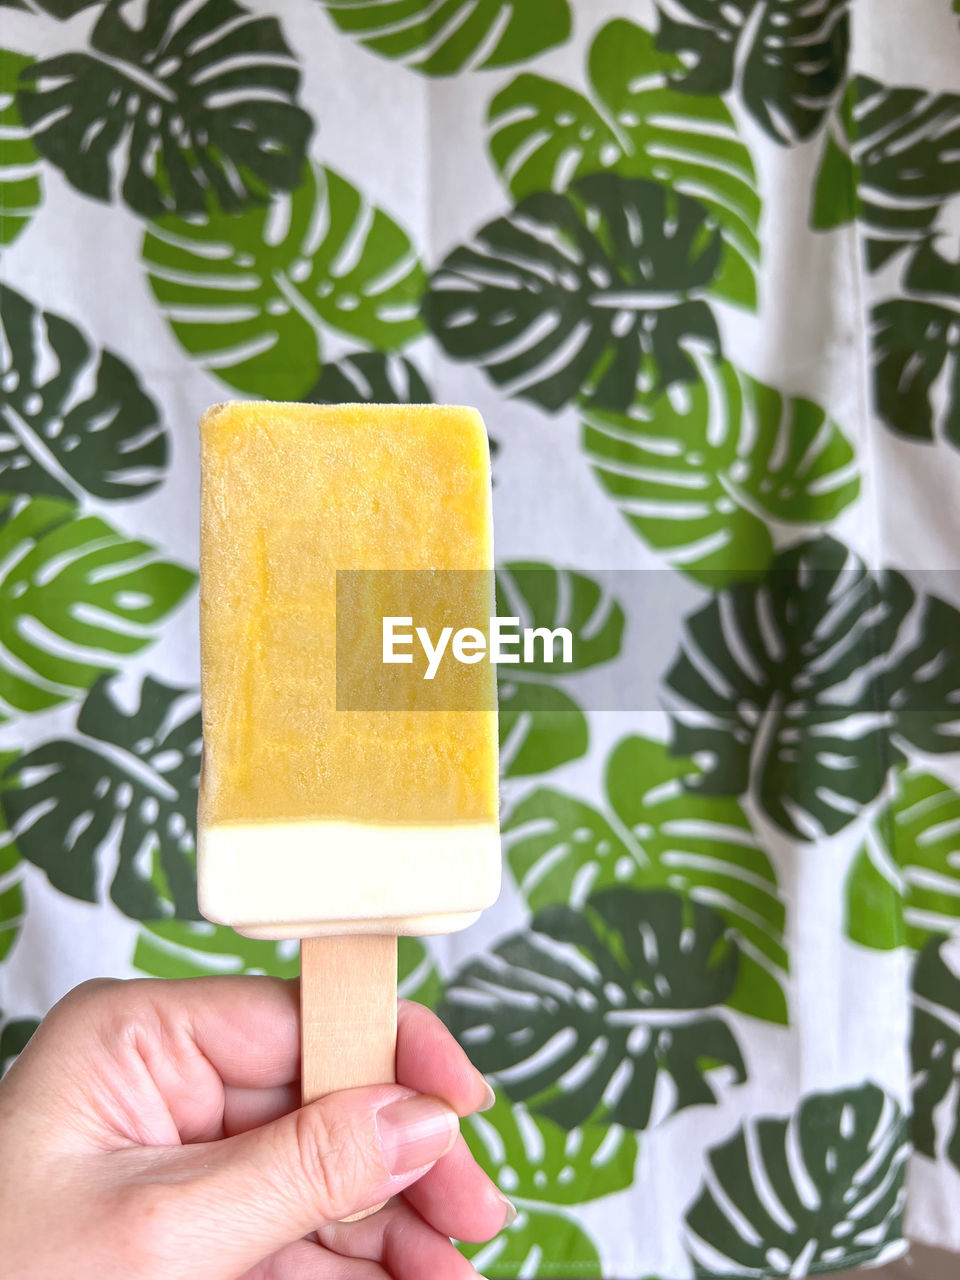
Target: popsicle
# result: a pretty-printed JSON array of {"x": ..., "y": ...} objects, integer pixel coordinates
[{"x": 327, "y": 811}]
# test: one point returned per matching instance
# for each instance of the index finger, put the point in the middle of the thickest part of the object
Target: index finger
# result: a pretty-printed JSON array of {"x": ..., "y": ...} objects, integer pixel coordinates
[{"x": 248, "y": 1029}]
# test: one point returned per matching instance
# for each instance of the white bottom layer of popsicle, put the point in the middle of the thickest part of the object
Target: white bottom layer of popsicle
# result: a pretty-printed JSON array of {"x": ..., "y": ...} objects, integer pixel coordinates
[{"x": 316, "y": 878}]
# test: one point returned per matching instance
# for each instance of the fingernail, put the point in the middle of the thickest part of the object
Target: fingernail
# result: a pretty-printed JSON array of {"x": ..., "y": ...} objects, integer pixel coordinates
[
  {"x": 489, "y": 1098},
  {"x": 414, "y": 1132},
  {"x": 510, "y": 1212}
]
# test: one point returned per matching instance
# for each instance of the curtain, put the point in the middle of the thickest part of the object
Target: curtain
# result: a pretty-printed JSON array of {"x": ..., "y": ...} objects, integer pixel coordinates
[{"x": 698, "y": 264}]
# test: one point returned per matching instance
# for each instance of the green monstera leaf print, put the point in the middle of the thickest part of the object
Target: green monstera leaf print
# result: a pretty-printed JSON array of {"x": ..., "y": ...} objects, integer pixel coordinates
[
  {"x": 370, "y": 377},
  {"x": 521, "y": 1249},
  {"x": 916, "y": 351},
  {"x": 616, "y": 995},
  {"x": 192, "y": 105},
  {"x": 73, "y": 419},
  {"x": 531, "y": 1158},
  {"x": 75, "y": 597},
  {"x": 417, "y": 976},
  {"x": 20, "y": 186},
  {"x": 785, "y": 60},
  {"x": 541, "y": 727},
  {"x": 653, "y": 833},
  {"x": 12, "y": 903},
  {"x": 904, "y": 885},
  {"x": 544, "y": 134},
  {"x": 935, "y": 1054},
  {"x": 14, "y": 1034},
  {"x": 891, "y": 159},
  {"x": 702, "y": 471},
  {"x": 541, "y": 724},
  {"x": 249, "y": 295},
  {"x": 819, "y": 1190},
  {"x": 60, "y": 9},
  {"x": 131, "y": 774},
  {"x": 788, "y": 687},
  {"x": 193, "y": 948},
  {"x": 583, "y": 294},
  {"x": 440, "y": 39},
  {"x": 891, "y": 164}
]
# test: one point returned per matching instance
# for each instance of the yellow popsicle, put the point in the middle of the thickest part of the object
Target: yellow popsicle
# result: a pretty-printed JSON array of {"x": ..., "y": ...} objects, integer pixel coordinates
[{"x": 317, "y": 820}]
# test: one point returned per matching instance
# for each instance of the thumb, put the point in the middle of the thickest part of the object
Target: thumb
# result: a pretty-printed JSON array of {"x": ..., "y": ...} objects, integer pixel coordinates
[{"x": 252, "y": 1194}]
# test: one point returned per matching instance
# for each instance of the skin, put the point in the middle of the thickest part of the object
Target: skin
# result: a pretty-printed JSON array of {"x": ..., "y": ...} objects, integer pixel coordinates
[{"x": 151, "y": 1130}]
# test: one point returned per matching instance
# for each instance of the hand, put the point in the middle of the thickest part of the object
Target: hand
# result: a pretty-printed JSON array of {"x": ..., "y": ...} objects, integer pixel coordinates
[{"x": 151, "y": 1130}]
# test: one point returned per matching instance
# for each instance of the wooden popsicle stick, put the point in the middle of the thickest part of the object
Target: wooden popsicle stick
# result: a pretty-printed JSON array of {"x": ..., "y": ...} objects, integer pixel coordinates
[{"x": 348, "y": 1012}]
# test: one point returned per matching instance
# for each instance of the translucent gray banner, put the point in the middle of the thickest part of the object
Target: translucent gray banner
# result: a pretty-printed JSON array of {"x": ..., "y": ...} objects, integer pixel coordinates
[{"x": 817, "y": 634}]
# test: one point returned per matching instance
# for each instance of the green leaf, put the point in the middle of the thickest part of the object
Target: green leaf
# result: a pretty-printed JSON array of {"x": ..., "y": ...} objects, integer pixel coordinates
[
  {"x": 520, "y": 1250},
  {"x": 173, "y": 948},
  {"x": 21, "y": 191},
  {"x": 74, "y": 592},
  {"x": 541, "y": 725},
  {"x": 185, "y": 107},
  {"x": 903, "y": 887},
  {"x": 701, "y": 471},
  {"x": 249, "y": 295},
  {"x": 916, "y": 344},
  {"x": 73, "y": 418},
  {"x": 454, "y": 35},
  {"x": 614, "y": 997},
  {"x": 835, "y": 194},
  {"x": 912, "y": 343},
  {"x": 184, "y": 948},
  {"x": 544, "y": 134},
  {"x": 935, "y": 1055},
  {"x": 190, "y": 948},
  {"x": 819, "y": 1190},
  {"x": 131, "y": 775},
  {"x": 418, "y": 977},
  {"x": 531, "y": 1158},
  {"x": 12, "y": 904},
  {"x": 370, "y": 377},
  {"x": 896, "y": 153},
  {"x": 924, "y": 680},
  {"x": 582, "y": 294},
  {"x": 60, "y": 9},
  {"x": 785, "y": 60},
  {"x": 653, "y": 833},
  {"x": 891, "y": 160},
  {"x": 14, "y": 1035},
  {"x": 790, "y": 687}
]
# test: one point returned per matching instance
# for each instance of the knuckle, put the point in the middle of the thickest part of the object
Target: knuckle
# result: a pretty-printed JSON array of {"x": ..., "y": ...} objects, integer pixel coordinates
[
  {"x": 86, "y": 1002},
  {"x": 85, "y": 993},
  {"x": 103, "y": 1007},
  {"x": 336, "y": 1163}
]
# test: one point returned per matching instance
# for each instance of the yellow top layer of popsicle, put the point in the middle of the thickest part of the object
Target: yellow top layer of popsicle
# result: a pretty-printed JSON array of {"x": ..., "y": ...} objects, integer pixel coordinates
[{"x": 291, "y": 494}]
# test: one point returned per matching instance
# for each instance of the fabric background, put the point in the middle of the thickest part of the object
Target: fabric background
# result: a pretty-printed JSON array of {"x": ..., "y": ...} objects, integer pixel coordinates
[{"x": 698, "y": 264}]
